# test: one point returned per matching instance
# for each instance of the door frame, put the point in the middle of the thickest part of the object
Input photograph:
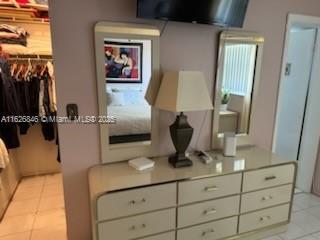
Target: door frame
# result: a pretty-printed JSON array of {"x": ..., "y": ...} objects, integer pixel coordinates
[{"x": 292, "y": 19}]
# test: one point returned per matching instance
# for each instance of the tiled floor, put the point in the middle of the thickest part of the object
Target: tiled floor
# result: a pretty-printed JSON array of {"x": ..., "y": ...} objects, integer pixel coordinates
[
  {"x": 37, "y": 211},
  {"x": 305, "y": 222}
]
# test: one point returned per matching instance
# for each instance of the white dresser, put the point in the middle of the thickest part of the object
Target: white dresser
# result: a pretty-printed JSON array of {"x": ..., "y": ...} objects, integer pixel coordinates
[{"x": 246, "y": 197}]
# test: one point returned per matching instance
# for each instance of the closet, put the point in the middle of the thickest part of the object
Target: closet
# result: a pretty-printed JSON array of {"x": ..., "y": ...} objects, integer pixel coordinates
[{"x": 28, "y": 98}]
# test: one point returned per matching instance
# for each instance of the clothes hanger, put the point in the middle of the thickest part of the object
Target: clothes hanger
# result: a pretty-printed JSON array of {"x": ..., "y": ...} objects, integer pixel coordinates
[
  {"x": 28, "y": 69},
  {"x": 13, "y": 68},
  {"x": 44, "y": 68},
  {"x": 17, "y": 76}
]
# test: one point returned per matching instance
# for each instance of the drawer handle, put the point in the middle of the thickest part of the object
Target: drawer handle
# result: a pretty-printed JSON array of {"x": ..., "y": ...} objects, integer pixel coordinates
[
  {"x": 134, "y": 227},
  {"x": 270, "y": 178},
  {"x": 210, "y": 211},
  {"x": 266, "y": 198},
  {"x": 211, "y": 189},
  {"x": 265, "y": 218},
  {"x": 133, "y": 202},
  {"x": 205, "y": 233}
]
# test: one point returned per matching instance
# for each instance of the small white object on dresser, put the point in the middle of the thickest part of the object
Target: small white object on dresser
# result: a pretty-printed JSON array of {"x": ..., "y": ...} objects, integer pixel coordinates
[
  {"x": 141, "y": 163},
  {"x": 248, "y": 197}
]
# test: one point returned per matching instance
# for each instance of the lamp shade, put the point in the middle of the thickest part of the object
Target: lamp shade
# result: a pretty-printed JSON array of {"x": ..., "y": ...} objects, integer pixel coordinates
[{"x": 183, "y": 91}]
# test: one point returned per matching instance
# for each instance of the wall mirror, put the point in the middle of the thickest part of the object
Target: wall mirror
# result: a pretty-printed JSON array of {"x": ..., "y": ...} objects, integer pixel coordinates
[
  {"x": 127, "y": 59},
  {"x": 238, "y": 75}
]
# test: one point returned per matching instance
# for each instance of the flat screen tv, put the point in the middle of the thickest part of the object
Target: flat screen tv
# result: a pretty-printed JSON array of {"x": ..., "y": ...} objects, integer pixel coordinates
[{"x": 227, "y": 13}]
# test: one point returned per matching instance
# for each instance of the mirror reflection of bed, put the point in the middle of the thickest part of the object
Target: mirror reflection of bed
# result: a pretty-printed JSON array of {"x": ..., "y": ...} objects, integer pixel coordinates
[
  {"x": 237, "y": 87},
  {"x": 126, "y": 93}
]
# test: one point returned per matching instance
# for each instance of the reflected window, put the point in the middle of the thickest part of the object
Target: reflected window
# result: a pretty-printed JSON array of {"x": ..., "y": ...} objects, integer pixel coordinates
[{"x": 237, "y": 87}]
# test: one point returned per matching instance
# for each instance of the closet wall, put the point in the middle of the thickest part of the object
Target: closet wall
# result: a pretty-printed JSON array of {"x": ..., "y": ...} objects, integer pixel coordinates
[
  {"x": 36, "y": 155},
  {"x": 9, "y": 179}
]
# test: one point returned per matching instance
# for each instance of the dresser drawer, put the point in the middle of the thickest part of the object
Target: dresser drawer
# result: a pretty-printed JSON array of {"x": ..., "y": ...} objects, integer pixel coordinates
[
  {"x": 208, "y": 211},
  {"x": 209, "y": 188},
  {"x": 165, "y": 236},
  {"x": 136, "y": 201},
  {"x": 210, "y": 231},
  {"x": 266, "y": 198},
  {"x": 264, "y": 218},
  {"x": 269, "y": 177},
  {"x": 138, "y": 226}
]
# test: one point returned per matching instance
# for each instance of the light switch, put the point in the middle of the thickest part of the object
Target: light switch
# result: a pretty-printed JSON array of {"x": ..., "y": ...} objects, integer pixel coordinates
[
  {"x": 288, "y": 69},
  {"x": 72, "y": 111}
]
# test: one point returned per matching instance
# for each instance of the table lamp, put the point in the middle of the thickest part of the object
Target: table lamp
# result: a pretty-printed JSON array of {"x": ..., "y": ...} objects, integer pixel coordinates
[{"x": 182, "y": 91}]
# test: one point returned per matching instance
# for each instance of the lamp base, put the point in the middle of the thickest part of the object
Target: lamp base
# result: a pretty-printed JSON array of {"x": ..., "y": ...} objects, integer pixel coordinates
[
  {"x": 178, "y": 163},
  {"x": 181, "y": 134}
]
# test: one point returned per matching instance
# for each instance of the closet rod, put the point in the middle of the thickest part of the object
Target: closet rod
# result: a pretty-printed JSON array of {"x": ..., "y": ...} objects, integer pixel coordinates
[
  {"x": 23, "y": 20},
  {"x": 31, "y": 57}
]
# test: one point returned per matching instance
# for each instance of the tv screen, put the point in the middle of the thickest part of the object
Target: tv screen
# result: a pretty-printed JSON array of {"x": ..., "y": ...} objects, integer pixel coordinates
[{"x": 229, "y": 13}]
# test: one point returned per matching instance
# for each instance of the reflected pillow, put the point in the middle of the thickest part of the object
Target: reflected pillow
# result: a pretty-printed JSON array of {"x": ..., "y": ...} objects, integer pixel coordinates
[
  {"x": 115, "y": 99},
  {"x": 134, "y": 98},
  {"x": 131, "y": 96}
]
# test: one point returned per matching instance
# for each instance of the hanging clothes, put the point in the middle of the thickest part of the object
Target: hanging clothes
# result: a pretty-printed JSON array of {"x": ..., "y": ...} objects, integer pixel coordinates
[
  {"x": 34, "y": 90},
  {"x": 4, "y": 156},
  {"x": 9, "y": 106},
  {"x": 27, "y": 90},
  {"x": 23, "y": 92},
  {"x": 52, "y": 88},
  {"x": 44, "y": 108}
]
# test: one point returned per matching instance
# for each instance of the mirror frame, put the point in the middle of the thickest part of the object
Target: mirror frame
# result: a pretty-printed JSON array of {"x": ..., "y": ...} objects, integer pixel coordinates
[
  {"x": 124, "y": 151},
  {"x": 235, "y": 37}
]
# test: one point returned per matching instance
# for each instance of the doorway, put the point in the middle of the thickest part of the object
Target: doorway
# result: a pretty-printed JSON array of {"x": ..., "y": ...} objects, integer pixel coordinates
[
  {"x": 297, "y": 129},
  {"x": 31, "y": 188}
]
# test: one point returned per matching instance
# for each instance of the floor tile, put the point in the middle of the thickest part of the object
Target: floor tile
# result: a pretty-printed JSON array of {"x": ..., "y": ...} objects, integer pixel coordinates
[
  {"x": 18, "y": 236},
  {"x": 17, "y": 208},
  {"x": 316, "y": 236},
  {"x": 306, "y": 221},
  {"x": 315, "y": 211},
  {"x": 53, "y": 179},
  {"x": 305, "y": 201},
  {"x": 52, "y": 190},
  {"x": 296, "y": 208},
  {"x": 294, "y": 232},
  {"x": 272, "y": 238},
  {"x": 18, "y": 224},
  {"x": 52, "y": 233},
  {"x": 49, "y": 219},
  {"x": 27, "y": 193},
  {"x": 309, "y": 237},
  {"x": 49, "y": 203},
  {"x": 33, "y": 181}
]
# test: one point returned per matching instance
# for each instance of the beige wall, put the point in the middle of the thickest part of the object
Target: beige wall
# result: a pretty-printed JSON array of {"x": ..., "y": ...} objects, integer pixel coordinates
[
  {"x": 183, "y": 45},
  {"x": 36, "y": 156}
]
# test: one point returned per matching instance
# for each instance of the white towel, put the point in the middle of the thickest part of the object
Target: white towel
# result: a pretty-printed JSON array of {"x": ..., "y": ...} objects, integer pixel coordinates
[{"x": 4, "y": 156}]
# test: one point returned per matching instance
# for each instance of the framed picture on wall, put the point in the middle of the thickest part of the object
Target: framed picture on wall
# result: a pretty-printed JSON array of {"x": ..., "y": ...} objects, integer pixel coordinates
[{"x": 123, "y": 62}]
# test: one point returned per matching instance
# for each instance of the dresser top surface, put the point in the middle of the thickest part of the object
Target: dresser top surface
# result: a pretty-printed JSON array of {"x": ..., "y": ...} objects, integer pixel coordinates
[{"x": 119, "y": 176}]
